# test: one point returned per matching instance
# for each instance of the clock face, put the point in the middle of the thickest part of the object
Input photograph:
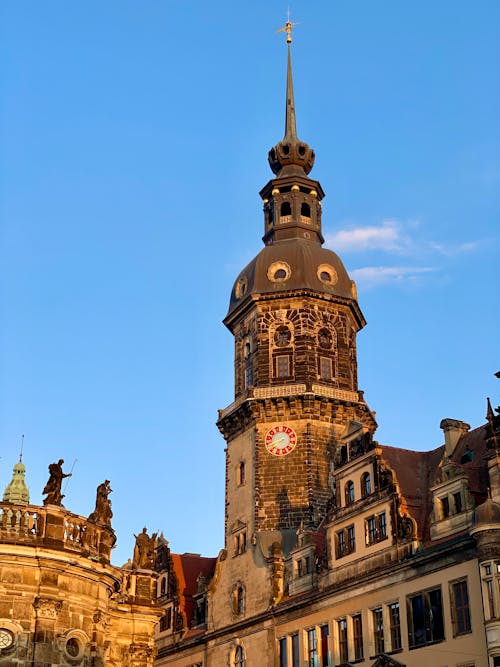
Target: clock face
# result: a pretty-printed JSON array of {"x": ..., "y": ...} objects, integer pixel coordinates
[{"x": 280, "y": 440}]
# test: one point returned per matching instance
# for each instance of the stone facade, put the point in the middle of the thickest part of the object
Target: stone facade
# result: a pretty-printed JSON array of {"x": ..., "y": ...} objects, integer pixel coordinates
[{"x": 61, "y": 601}]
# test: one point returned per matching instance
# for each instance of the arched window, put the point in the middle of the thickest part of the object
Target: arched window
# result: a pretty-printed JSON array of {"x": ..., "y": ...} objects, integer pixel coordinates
[
  {"x": 285, "y": 209},
  {"x": 366, "y": 485},
  {"x": 163, "y": 586},
  {"x": 239, "y": 657},
  {"x": 238, "y": 600},
  {"x": 349, "y": 492},
  {"x": 305, "y": 210}
]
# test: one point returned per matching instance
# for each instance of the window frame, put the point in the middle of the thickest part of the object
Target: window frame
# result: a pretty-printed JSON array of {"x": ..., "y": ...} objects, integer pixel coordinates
[
  {"x": 460, "y": 613},
  {"x": 378, "y": 630},
  {"x": 430, "y": 633},
  {"x": 357, "y": 636},
  {"x": 395, "y": 627}
]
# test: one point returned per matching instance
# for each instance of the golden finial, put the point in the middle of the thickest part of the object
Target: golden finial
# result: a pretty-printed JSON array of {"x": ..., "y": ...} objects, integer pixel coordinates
[{"x": 288, "y": 27}]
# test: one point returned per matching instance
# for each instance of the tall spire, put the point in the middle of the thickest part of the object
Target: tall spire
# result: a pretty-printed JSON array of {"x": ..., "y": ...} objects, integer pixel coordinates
[
  {"x": 290, "y": 121},
  {"x": 290, "y": 156}
]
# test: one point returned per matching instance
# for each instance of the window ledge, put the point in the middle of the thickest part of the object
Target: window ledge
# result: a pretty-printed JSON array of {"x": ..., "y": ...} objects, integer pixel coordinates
[{"x": 436, "y": 641}]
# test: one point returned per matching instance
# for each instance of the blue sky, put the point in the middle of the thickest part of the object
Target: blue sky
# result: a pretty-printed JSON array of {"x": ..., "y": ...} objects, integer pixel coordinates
[{"x": 134, "y": 143}]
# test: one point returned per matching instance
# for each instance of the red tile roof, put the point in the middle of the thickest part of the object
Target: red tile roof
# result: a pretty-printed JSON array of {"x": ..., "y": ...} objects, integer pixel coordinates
[
  {"x": 187, "y": 568},
  {"x": 415, "y": 473}
]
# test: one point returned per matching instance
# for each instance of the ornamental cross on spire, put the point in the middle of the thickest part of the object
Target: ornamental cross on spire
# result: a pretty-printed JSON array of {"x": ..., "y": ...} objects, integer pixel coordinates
[{"x": 288, "y": 27}]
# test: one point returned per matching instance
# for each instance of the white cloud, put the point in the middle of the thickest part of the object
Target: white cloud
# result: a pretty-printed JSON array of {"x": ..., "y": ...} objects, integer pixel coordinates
[
  {"x": 450, "y": 250},
  {"x": 373, "y": 276},
  {"x": 387, "y": 236}
]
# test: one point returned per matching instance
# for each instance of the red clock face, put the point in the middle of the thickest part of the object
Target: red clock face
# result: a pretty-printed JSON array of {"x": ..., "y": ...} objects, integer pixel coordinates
[{"x": 280, "y": 440}]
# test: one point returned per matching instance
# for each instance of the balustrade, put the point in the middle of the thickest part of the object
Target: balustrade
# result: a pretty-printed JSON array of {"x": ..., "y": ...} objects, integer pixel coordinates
[{"x": 54, "y": 527}]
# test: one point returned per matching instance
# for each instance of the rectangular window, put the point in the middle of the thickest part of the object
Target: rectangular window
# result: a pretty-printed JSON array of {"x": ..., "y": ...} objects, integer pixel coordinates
[
  {"x": 325, "y": 368},
  {"x": 460, "y": 612},
  {"x": 445, "y": 507},
  {"x": 240, "y": 473},
  {"x": 357, "y": 635},
  {"x": 381, "y": 526},
  {"x": 248, "y": 376},
  {"x": 371, "y": 530},
  {"x": 351, "y": 540},
  {"x": 307, "y": 565},
  {"x": 240, "y": 543},
  {"x": 340, "y": 544},
  {"x": 295, "y": 651},
  {"x": 283, "y": 366},
  {"x": 342, "y": 628},
  {"x": 325, "y": 656},
  {"x": 457, "y": 499},
  {"x": 283, "y": 652},
  {"x": 395, "y": 621},
  {"x": 378, "y": 630},
  {"x": 312, "y": 648},
  {"x": 300, "y": 569},
  {"x": 375, "y": 528},
  {"x": 490, "y": 596},
  {"x": 425, "y": 618}
]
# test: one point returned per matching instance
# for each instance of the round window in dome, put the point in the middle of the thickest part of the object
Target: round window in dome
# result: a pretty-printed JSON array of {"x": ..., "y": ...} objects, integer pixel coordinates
[
  {"x": 278, "y": 272},
  {"x": 327, "y": 274},
  {"x": 241, "y": 287},
  {"x": 73, "y": 647},
  {"x": 6, "y": 638}
]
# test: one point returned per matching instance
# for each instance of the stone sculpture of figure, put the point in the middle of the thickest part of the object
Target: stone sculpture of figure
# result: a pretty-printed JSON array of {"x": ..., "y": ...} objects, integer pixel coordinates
[
  {"x": 144, "y": 550},
  {"x": 102, "y": 513},
  {"x": 53, "y": 487}
]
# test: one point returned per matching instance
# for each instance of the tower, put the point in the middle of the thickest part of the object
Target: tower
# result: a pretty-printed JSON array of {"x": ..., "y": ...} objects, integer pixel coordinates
[{"x": 294, "y": 316}]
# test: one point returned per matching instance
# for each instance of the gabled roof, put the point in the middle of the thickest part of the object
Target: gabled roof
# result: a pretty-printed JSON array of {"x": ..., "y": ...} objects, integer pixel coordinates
[{"x": 416, "y": 472}]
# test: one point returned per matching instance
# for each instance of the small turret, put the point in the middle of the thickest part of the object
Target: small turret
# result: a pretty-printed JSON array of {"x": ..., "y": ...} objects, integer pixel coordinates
[{"x": 17, "y": 491}]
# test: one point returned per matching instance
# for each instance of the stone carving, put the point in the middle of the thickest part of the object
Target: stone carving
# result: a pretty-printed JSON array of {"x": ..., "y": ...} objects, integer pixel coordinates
[
  {"x": 53, "y": 487},
  {"x": 102, "y": 513},
  {"x": 47, "y": 607},
  {"x": 141, "y": 653},
  {"x": 277, "y": 573},
  {"x": 406, "y": 528},
  {"x": 144, "y": 550}
]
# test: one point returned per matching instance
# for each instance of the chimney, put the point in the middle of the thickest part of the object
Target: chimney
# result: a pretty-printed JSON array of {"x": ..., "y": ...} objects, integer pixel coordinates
[{"x": 453, "y": 430}]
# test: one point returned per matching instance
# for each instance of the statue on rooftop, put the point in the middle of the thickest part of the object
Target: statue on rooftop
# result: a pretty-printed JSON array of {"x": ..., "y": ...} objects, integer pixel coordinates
[
  {"x": 53, "y": 487},
  {"x": 102, "y": 513},
  {"x": 144, "y": 550}
]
